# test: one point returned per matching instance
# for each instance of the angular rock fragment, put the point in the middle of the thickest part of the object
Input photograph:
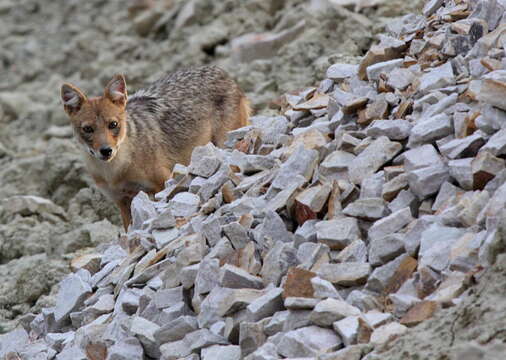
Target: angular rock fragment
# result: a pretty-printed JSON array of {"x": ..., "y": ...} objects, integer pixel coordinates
[
  {"x": 308, "y": 342},
  {"x": 337, "y": 233},
  {"x": 345, "y": 274},
  {"x": 379, "y": 152}
]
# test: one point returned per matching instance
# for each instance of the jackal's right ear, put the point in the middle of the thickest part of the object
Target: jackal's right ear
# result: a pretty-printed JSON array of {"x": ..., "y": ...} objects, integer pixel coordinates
[{"x": 72, "y": 98}]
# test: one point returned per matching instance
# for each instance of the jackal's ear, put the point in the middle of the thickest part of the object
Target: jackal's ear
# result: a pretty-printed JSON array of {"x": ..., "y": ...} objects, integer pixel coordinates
[
  {"x": 116, "y": 90},
  {"x": 72, "y": 98}
]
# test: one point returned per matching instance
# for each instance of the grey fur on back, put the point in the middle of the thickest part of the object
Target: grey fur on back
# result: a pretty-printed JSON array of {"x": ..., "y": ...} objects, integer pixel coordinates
[{"x": 174, "y": 110}]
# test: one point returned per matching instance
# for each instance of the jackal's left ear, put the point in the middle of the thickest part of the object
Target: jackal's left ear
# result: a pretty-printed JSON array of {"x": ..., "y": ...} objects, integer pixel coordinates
[
  {"x": 116, "y": 90},
  {"x": 72, "y": 98}
]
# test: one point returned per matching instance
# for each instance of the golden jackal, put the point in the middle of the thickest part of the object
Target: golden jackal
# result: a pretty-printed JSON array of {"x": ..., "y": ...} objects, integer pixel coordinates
[{"x": 131, "y": 143}]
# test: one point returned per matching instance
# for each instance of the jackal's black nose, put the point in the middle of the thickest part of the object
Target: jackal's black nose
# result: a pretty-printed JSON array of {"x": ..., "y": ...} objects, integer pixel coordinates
[{"x": 106, "y": 152}]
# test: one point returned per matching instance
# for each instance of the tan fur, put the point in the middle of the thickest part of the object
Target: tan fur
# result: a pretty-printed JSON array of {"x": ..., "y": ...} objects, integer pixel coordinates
[{"x": 149, "y": 140}]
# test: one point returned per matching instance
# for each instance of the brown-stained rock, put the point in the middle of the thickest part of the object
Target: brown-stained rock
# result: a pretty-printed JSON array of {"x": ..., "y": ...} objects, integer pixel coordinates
[
  {"x": 418, "y": 313},
  {"x": 403, "y": 273},
  {"x": 298, "y": 283}
]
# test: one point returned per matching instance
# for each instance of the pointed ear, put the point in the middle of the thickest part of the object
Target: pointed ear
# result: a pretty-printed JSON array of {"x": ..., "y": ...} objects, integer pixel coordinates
[
  {"x": 116, "y": 90},
  {"x": 72, "y": 98}
]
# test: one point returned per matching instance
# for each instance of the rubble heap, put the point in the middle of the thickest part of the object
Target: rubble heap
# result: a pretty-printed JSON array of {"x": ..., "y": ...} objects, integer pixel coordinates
[{"x": 326, "y": 232}]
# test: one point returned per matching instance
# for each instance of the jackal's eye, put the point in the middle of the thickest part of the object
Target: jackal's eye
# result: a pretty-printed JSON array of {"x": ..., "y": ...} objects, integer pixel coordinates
[
  {"x": 113, "y": 125},
  {"x": 87, "y": 129}
]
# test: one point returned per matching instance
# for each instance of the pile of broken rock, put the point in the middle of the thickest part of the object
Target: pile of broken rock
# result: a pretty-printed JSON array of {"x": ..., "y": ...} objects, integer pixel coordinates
[{"x": 375, "y": 200}]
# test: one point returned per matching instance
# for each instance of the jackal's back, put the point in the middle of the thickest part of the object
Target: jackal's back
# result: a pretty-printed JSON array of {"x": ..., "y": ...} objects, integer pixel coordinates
[{"x": 186, "y": 109}]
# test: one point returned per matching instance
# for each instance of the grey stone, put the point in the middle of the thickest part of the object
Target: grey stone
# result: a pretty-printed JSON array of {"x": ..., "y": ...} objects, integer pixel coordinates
[
  {"x": 339, "y": 72},
  {"x": 328, "y": 311},
  {"x": 390, "y": 224},
  {"x": 184, "y": 204},
  {"x": 164, "y": 237},
  {"x": 414, "y": 234},
  {"x": 221, "y": 352},
  {"x": 223, "y": 301},
  {"x": 301, "y": 162},
  {"x": 300, "y": 303},
  {"x": 237, "y": 278},
  {"x": 465, "y": 147},
  {"x": 445, "y": 105},
  {"x": 176, "y": 329},
  {"x": 277, "y": 261},
  {"x": 381, "y": 276},
  {"x": 384, "y": 249},
  {"x": 345, "y": 274},
  {"x": 354, "y": 252},
  {"x": 205, "y": 161},
  {"x": 305, "y": 233},
  {"x": 337, "y": 233},
  {"x": 271, "y": 128},
  {"x": 142, "y": 209},
  {"x": 394, "y": 187},
  {"x": 324, "y": 289},
  {"x": 13, "y": 341},
  {"x": 405, "y": 198},
  {"x": 492, "y": 91},
  {"x": 309, "y": 253},
  {"x": 71, "y": 353},
  {"x": 250, "y": 164},
  {"x": 429, "y": 130},
  {"x": 266, "y": 352},
  {"x": 376, "y": 318},
  {"x": 308, "y": 342},
  {"x": 375, "y": 70},
  {"x": 496, "y": 145},
  {"x": 372, "y": 187},
  {"x": 427, "y": 181},
  {"x": 145, "y": 330},
  {"x": 175, "y": 350},
  {"x": 347, "y": 329},
  {"x": 71, "y": 295},
  {"x": 431, "y": 7},
  {"x": 165, "y": 298},
  {"x": 379, "y": 152},
  {"x": 421, "y": 157},
  {"x": 274, "y": 228},
  {"x": 368, "y": 209},
  {"x": 336, "y": 162},
  {"x": 447, "y": 192},
  {"x": 207, "y": 276},
  {"x": 314, "y": 197},
  {"x": 400, "y": 78},
  {"x": 349, "y": 102},
  {"x": 266, "y": 305},
  {"x": 438, "y": 77},
  {"x": 392, "y": 129},
  {"x": 126, "y": 349},
  {"x": 203, "y": 338},
  {"x": 386, "y": 332},
  {"x": 461, "y": 170},
  {"x": 251, "y": 337},
  {"x": 237, "y": 234},
  {"x": 491, "y": 119},
  {"x": 435, "y": 246},
  {"x": 211, "y": 229}
]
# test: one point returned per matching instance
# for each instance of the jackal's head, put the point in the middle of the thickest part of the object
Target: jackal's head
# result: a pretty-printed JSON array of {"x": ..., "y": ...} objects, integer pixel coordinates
[{"x": 99, "y": 123}]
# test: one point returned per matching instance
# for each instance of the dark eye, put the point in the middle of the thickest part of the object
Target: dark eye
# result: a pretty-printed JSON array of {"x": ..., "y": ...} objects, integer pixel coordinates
[
  {"x": 88, "y": 129},
  {"x": 113, "y": 125}
]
